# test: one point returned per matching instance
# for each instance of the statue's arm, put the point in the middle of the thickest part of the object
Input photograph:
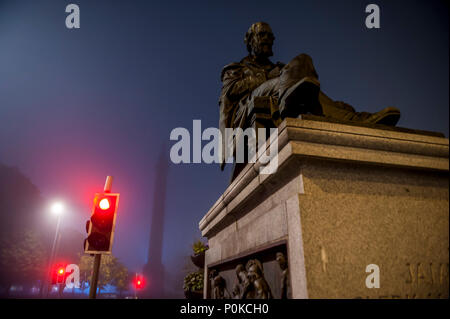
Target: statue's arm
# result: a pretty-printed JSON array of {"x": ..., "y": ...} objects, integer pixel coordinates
[{"x": 238, "y": 81}]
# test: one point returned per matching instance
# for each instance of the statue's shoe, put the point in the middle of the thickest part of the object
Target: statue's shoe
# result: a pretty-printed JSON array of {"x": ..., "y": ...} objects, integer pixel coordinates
[
  {"x": 388, "y": 116},
  {"x": 300, "y": 98}
]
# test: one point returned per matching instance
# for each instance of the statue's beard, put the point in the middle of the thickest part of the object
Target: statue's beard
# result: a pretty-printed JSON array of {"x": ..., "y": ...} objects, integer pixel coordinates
[{"x": 262, "y": 50}]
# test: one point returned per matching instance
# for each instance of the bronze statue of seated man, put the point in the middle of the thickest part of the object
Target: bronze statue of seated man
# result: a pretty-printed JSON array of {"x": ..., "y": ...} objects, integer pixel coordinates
[{"x": 295, "y": 86}]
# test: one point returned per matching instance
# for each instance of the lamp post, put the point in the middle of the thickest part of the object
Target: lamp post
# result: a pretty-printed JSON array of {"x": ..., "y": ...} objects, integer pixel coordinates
[{"x": 57, "y": 209}]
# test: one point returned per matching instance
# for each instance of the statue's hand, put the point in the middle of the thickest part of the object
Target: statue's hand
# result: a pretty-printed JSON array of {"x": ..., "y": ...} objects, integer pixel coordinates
[{"x": 273, "y": 73}]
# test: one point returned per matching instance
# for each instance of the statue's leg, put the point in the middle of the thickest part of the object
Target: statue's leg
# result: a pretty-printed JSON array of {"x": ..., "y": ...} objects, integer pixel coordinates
[
  {"x": 336, "y": 110},
  {"x": 299, "y": 93},
  {"x": 345, "y": 112},
  {"x": 298, "y": 68},
  {"x": 268, "y": 88},
  {"x": 299, "y": 88}
]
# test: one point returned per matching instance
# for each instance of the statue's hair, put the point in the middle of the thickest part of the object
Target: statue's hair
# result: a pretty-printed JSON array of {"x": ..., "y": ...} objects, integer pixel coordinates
[
  {"x": 249, "y": 35},
  {"x": 258, "y": 265},
  {"x": 239, "y": 268}
]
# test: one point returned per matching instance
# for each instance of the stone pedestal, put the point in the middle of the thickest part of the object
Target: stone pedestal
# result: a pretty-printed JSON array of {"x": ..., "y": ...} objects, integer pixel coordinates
[{"x": 343, "y": 197}]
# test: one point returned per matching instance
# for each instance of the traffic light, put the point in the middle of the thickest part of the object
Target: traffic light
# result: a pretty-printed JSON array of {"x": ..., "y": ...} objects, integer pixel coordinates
[
  {"x": 100, "y": 227},
  {"x": 59, "y": 274},
  {"x": 139, "y": 282}
]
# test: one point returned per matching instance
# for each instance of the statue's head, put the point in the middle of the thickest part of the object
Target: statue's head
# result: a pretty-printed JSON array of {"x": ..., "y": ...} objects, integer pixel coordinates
[
  {"x": 259, "y": 39},
  {"x": 213, "y": 273},
  {"x": 254, "y": 270},
  {"x": 239, "y": 268},
  {"x": 281, "y": 260},
  {"x": 219, "y": 282}
]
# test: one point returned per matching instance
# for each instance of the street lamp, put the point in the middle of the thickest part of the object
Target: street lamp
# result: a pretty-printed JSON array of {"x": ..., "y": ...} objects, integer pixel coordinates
[{"x": 57, "y": 209}]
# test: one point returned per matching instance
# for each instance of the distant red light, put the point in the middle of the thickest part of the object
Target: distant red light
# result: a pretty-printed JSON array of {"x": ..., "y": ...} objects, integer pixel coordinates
[{"x": 139, "y": 282}]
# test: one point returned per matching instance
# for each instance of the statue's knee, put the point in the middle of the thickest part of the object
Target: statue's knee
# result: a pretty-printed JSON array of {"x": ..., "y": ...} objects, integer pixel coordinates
[
  {"x": 302, "y": 58},
  {"x": 299, "y": 67},
  {"x": 301, "y": 62}
]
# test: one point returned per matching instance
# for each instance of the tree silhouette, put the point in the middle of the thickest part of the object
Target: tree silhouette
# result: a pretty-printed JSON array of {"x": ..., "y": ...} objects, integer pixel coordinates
[
  {"x": 23, "y": 253},
  {"x": 112, "y": 272}
]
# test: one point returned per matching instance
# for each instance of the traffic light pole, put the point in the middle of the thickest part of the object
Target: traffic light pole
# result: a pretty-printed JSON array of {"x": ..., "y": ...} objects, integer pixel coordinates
[
  {"x": 94, "y": 280},
  {"x": 98, "y": 257}
]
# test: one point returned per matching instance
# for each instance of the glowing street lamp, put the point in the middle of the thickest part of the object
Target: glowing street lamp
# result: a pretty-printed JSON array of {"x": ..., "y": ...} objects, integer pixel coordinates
[{"x": 57, "y": 208}]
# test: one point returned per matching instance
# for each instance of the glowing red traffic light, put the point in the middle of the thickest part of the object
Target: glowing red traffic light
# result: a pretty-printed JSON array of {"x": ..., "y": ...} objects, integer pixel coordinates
[
  {"x": 59, "y": 273},
  {"x": 104, "y": 204},
  {"x": 100, "y": 228}
]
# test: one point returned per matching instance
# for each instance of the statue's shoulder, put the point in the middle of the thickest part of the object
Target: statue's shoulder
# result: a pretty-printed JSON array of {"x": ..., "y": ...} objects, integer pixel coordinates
[{"x": 230, "y": 68}]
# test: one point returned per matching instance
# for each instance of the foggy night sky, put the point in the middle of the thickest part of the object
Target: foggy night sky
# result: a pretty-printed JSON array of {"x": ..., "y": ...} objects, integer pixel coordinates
[{"x": 77, "y": 105}]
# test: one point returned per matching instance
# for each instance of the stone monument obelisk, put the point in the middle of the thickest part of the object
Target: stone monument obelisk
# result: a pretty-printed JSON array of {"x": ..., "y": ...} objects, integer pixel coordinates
[{"x": 154, "y": 269}]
